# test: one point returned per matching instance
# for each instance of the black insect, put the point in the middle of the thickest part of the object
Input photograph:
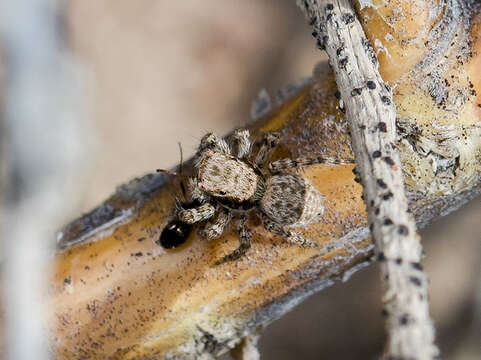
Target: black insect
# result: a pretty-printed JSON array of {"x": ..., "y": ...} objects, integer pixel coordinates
[{"x": 176, "y": 232}]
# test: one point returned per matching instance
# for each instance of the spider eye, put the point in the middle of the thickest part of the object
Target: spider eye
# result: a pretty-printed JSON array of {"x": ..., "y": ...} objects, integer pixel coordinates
[{"x": 222, "y": 192}]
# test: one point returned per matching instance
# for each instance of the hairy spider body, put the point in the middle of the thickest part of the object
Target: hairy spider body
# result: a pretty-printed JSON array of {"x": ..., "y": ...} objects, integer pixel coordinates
[
  {"x": 291, "y": 200},
  {"x": 226, "y": 177},
  {"x": 230, "y": 182}
]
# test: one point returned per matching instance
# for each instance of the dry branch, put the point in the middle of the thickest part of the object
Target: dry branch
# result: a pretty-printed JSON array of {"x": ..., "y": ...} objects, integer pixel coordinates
[{"x": 116, "y": 294}]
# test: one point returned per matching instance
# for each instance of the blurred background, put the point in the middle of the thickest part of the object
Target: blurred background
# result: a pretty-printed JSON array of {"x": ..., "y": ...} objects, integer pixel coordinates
[{"x": 156, "y": 73}]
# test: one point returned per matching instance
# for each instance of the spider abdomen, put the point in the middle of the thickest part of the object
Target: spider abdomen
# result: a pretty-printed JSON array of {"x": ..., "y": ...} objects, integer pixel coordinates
[{"x": 291, "y": 200}]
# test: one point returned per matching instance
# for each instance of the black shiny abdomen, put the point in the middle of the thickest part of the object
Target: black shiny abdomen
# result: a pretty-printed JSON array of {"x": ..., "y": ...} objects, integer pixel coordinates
[{"x": 174, "y": 234}]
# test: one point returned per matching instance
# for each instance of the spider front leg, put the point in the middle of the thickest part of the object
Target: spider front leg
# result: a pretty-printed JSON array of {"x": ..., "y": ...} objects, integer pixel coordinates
[
  {"x": 213, "y": 142},
  {"x": 245, "y": 239},
  {"x": 268, "y": 142},
  {"x": 195, "y": 193},
  {"x": 199, "y": 213},
  {"x": 280, "y": 166},
  {"x": 286, "y": 234},
  {"x": 241, "y": 138},
  {"x": 214, "y": 229}
]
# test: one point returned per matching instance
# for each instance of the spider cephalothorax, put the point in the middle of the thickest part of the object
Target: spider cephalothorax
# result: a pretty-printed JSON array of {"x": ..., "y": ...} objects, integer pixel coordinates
[{"x": 230, "y": 182}]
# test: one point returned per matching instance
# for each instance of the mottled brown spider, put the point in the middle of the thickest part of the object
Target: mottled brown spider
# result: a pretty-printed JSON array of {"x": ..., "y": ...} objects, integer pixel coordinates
[{"x": 230, "y": 182}]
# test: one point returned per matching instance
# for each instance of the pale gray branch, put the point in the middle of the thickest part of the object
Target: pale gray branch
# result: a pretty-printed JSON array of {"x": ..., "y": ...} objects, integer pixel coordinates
[
  {"x": 43, "y": 161},
  {"x": 371, "y": 114}
]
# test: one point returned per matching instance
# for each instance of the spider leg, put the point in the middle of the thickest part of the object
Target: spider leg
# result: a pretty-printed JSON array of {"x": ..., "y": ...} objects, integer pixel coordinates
[
  {"x": 214, "y": 229},
  {"x": 242, "y": 138},
  {"x": 213, "y": 142},
  {"x": 282, "y": 165},
  {"x": 245, "y": 239},
  {"x": 268, "y": 142},
  {"x": 195, "y": 192},
  {"x": 191, "y": 216},
  {"x": 286, "y": 234}
]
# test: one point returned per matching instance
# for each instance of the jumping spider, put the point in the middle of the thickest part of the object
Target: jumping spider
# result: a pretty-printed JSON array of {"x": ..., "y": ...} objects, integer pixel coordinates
[{"x": 230, "y": 182}]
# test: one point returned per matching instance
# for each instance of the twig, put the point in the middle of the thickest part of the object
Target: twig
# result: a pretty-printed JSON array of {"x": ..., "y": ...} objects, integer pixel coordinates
[
  {"x": 43, "y": 158},
  {"x": 371, "y": 114}
]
